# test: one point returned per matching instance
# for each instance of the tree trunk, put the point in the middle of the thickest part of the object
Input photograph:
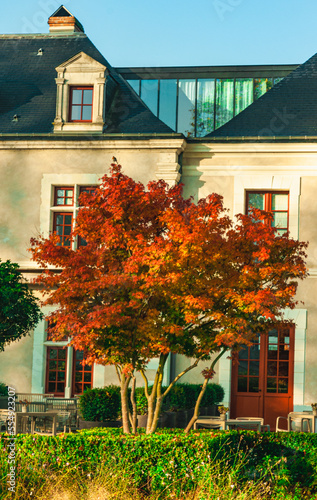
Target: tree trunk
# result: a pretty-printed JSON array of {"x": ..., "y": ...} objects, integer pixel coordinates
[
  {"x": 125, "y": 380},
  {"x": 134, "y": 422},
  {"x": 201, "y": 394}
]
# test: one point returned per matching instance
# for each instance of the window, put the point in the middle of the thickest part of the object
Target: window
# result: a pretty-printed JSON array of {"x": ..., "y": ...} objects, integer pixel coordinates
[
  {"x": 64, "y": 212},
  {"x": 82, "y": 374},
  {"x": 275, "y": 202},
  {"x": 62, "y": 227},
  {"x": 80, "y": 95},
  {"x": 64, "y": 196},
  {"x": 56, "y": 370},
  {"x": 80, "y": 108}
]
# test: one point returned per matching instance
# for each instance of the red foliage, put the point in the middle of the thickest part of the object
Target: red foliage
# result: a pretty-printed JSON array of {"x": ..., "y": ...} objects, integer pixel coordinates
[{"x": 162, "y": 274}]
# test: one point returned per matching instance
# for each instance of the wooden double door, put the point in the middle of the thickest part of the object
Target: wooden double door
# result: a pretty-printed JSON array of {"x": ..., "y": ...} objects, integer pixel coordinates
[{"x": 262, "y": 377}]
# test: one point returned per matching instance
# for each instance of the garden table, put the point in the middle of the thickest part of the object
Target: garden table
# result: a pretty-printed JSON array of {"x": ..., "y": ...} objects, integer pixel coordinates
[
  {"x": 302, "y": 417},
  {"x": 236, "y": 422},
  {"x": 213, "y": 422},
  {"x": 22, "y": 416}
]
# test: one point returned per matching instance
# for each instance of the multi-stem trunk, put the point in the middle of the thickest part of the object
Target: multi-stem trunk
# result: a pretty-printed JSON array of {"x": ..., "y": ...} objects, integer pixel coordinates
[
  {"x": 156, "y": 398},
  {"x": 202, "y": 392}
]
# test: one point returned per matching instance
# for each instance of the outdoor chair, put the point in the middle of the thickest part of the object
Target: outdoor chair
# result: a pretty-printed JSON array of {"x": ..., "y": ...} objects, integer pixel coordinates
[
  {"x": 294, "y": 423},
  {"x": 4, "y": 420}
]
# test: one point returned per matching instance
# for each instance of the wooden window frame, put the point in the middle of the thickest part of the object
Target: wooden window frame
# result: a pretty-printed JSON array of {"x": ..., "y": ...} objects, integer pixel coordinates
[
  {"x": 63, "y": 236},
  {"x": 268, "y": 196},
  {"x": 81, "y": 105},
  {"x": 83, "y": 371},
  {"x": 47, "y": 381},
  {"x": 68, "y": 188}
]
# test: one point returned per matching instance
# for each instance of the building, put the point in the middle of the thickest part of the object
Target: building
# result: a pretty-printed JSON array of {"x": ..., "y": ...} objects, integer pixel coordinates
[{"x": 247, "y": 133}]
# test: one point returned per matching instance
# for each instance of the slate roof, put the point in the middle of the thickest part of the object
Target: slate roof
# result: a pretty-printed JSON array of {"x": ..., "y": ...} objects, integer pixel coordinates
[
  {"x": 28, "y": 88},
  {"x": 288, "y": 110}
]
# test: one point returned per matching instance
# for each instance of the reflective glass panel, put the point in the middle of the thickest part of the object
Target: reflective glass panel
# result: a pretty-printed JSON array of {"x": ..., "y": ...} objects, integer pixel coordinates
[
  {"x": 68, "y": 219},
  {"x": 242, "y": 384},
  {"x": 135, "y": 84},
  {"x": 186, "y": 107},
  {"x": 277, "y": 79},
  {"x": 255, "y": 351},
  {"x": 60, "y": 387},
  {"x": 76, "y": 97},
  {"x": 279, "y": 201},
  {"x": 78, "y": 377},
  {"x": 280, "y": 219},
  {"x": 51, "y": 387},
  {"x": 253, "y": 384},
  {"x": 87, "y": 110},
  {"x": 243, "y": 93},
  {"x": 87, "y": 377},
  {"x": 253, "y": 368},
  {"x": 261, "y": 85},
  {"x": 271, "y": 385},
  {"x": 61, "y": 376},
  {"x": 167, "y": 106},
  {"x": 224, "y": 101},
  {"x": 52, "y": 376},
  {"x": 243, "y": 368},
  {"x": 272, "y": 368},
  {"x": 53, "y": 353},
  {"x": 76, "y": 111},
  {"x": 243, "y": 354},
  {"x": 256, "y": 200},
  {"x": 62, "y": 354},
  {"x": 87, "y": 96},
  {"x": 283, "y": 369},
  {"x": 205, "y": 107},
  {"x": 149, "y": 94},
  {"x": 283, "y": 385},
  {"x": 52, "y": 365}
]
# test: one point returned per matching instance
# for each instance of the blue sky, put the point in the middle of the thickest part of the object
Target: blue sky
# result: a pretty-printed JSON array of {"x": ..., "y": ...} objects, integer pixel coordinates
[{"x": 182, "y": 32}]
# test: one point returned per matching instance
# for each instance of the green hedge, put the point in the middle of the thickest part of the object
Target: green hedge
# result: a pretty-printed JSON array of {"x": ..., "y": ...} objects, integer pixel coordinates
[
  {"x": 155, "y": 463},
  {"x": 100, "y": 404},
  {"x": 104, "y": 404}
]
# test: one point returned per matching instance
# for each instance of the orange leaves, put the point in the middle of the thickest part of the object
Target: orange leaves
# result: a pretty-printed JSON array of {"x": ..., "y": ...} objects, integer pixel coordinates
[{"x": 163, "y": 274}]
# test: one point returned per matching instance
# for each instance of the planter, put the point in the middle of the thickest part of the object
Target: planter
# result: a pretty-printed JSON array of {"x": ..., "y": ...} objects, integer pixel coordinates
[
  {"x": 4, "y": 402},
  {"x": 142, "y": 421},
  {"x": 24, "y": 408},
  {"x": 223, "y": 416},
  {"x": 84, "y": 424},
  {"x": 315, "y": 413}
]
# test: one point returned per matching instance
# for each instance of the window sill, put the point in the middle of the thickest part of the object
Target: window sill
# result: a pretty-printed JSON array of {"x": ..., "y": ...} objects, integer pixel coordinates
[{"x": 79, "y": 127}]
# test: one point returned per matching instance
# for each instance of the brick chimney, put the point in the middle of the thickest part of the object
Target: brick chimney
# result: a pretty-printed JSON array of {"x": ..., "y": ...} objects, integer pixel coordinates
[{"x": 62, "y": 21}]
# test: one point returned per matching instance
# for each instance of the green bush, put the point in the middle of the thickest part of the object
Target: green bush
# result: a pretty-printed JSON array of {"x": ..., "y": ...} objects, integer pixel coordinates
[
  {"x": 3, "y": 389},
  {"x": 157, "y": 464},
  {"x": 141, "y": 400},
  {"x": 100, "y": 404},
  {"x": 184, "y": 396},
  {"x": 181, "y": 397}
]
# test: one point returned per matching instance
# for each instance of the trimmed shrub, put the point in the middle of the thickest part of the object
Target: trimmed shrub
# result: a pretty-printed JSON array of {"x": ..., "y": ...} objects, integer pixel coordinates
[
  {"x": 101, "y": 404},
  {"x": 3, "y": 389},
  {"x": 157, "y": 464}
]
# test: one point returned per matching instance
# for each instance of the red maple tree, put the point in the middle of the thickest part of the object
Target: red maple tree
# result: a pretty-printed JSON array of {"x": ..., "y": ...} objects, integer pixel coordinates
[{"x": 160, "y": 274}]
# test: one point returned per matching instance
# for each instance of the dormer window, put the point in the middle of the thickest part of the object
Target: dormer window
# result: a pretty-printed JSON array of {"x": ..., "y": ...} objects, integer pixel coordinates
[
  {"x": 80, "y": 108},
  {"x": 80, "y": 95}
]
